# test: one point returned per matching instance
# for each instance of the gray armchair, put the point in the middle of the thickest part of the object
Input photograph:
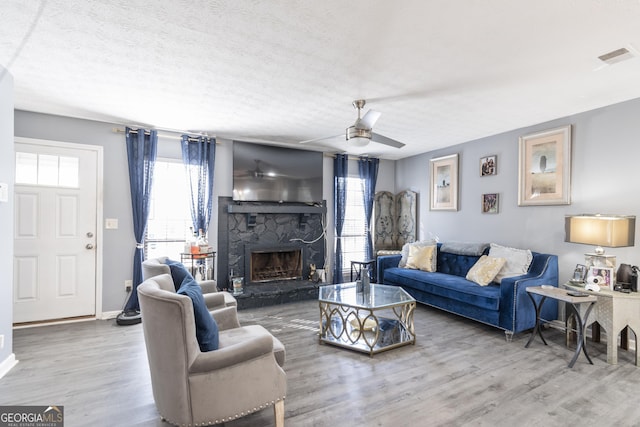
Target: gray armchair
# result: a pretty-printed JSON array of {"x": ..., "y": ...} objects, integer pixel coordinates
[
  {"x": 193, "y": 388},
  {"x": 214, "y": 298}
]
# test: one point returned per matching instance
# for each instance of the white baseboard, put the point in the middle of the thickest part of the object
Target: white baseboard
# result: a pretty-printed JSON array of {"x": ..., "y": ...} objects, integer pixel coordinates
[
  {"x": 7, "y": 364},
  {"x": 108, "y": 315}
]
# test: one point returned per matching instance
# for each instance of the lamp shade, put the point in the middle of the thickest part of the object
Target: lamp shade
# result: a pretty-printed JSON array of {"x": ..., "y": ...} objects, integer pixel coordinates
[{"x": 613, "y": 231}]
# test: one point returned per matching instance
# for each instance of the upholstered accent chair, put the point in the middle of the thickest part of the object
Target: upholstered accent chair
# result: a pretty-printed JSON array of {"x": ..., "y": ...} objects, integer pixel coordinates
[
  {"x": 214, "y": 298},
  {"x": 194, "y": 388}
]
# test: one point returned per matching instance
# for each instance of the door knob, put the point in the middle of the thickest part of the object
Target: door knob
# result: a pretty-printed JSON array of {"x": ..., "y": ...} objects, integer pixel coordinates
[
  {"x": 89, "y": 234},
  {"x": 89, "y": 246}
]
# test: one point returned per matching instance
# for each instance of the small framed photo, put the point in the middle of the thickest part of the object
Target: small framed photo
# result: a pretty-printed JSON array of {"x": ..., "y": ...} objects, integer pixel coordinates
[
  {"x": 602, "y": 276},
  {"x": 579, "y": 274},
  {"x": 490, "y": 203},
  {"x": 489, "y": 165}
]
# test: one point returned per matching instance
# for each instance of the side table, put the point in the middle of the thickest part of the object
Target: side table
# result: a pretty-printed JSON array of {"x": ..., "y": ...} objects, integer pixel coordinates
[
  {"x": 573, "y": 302},
  {"x": 200, "y": 263},
  {"x": 614, "y": 311}
]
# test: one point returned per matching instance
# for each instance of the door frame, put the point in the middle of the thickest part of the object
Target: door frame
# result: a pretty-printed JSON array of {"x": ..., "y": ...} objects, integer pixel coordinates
[{"x": 99, "y": 150}]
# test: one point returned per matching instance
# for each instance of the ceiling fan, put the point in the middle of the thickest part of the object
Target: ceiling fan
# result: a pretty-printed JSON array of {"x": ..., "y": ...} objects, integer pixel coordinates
[{"x": 361, "y": 132}]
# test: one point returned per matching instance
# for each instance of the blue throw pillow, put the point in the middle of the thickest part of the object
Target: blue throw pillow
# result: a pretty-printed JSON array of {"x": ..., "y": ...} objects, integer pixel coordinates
[
  {"x": 206, "y": 326},
  {"x": 178, "y": 272}
]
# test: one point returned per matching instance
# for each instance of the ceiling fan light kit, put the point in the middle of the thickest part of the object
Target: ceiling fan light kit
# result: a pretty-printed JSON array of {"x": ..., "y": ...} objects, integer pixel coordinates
[{"x": 358, "y": 137}]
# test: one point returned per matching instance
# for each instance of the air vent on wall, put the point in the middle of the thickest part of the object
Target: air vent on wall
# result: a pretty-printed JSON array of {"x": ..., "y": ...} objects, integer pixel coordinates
[{"x": 615, "y": 56}]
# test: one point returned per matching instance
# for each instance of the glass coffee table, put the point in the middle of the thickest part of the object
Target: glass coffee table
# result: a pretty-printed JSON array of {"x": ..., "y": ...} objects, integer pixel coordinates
[{"x": 376, "y": 319}]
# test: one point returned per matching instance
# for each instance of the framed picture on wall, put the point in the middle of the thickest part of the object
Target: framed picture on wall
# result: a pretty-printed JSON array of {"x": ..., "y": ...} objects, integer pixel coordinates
[
  {"x": 444, "y": 183},
  {"x": 544, "y": 173},
  {"x": 489, "y": 165},
  {"x": 490, "y": 203}
]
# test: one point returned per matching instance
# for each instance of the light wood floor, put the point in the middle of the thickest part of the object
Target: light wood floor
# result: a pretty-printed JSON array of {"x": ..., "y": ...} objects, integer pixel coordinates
[{"x": 459, "y": 373}]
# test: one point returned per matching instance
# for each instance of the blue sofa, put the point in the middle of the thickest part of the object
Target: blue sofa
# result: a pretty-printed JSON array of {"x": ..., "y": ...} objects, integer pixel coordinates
[{"x": 505, "y": 305}]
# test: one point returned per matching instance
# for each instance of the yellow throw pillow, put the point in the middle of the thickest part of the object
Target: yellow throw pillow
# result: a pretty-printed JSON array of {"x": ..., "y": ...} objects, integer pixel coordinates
[
  {"x": 485, "y": 270},
  {"x": 422, "y": 258}
]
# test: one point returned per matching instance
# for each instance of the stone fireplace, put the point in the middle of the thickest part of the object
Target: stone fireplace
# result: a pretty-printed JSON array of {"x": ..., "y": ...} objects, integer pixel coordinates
[{"x": 271, "y": 245}]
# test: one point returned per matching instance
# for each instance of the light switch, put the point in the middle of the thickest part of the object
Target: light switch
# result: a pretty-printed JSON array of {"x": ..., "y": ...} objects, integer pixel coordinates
[
  {"x": 111, "y": 223},
  {"x": 4, "y": 192}
]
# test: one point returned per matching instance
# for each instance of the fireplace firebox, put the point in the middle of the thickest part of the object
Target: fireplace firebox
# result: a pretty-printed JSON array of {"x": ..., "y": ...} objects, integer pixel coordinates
[{"x": 274, "y": 263}]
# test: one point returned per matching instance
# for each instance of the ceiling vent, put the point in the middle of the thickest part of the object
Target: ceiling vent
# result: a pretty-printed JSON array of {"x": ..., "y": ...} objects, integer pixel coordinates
[{"x": 616, "y": 56}]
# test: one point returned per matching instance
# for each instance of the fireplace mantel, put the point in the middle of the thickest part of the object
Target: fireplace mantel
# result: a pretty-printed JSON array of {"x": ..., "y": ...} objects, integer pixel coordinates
[{"x": 282, "y": 208}]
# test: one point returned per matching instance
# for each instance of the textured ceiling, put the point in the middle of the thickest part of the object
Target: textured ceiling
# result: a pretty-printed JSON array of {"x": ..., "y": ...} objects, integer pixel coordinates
[{"x": 441, "y": 72}]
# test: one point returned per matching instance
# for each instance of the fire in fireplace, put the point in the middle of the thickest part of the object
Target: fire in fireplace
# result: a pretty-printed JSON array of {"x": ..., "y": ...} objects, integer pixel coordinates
[{"x": 270, "y": 264}]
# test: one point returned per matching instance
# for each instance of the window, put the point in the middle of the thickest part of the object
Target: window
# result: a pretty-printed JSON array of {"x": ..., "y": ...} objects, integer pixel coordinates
[
  {"x": 354, "y": 229},
  {"x": 169, "y": 215},
  {"x": 47, "y": 170}
]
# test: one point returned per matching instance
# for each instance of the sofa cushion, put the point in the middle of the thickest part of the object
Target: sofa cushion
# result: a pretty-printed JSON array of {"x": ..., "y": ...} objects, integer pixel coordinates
[
  {"x": 405, "y": 250},
  {"x": 422, "y": 258},
  {"x": 445, "y": 285},
  {"x": 517, "y": 261},
  {"x": 485, "y": 270},
  {"x": 464, "y": 248},
  {"x": 458, "y": 265},
  {"x": 206, "y": 326},
  {"x": 178, "y": 272}
]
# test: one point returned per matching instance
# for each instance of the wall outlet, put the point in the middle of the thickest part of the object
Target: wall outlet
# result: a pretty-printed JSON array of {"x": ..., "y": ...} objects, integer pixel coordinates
[
  {"x": 111, "y": 223},
  {"x": 1, "y": 342},
  {"x": 128, "y": 285}
]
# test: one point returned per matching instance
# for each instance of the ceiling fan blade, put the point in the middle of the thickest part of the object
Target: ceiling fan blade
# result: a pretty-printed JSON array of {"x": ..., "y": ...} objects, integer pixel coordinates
[
  {"x": 381, "y": 139},
  {"x": 368, "y": 120},
  {"x": 322, "y": 138}
]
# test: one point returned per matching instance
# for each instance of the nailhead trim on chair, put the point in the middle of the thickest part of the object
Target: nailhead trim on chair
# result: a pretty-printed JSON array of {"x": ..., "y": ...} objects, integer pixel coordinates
[{"x": 224, "y": 420}]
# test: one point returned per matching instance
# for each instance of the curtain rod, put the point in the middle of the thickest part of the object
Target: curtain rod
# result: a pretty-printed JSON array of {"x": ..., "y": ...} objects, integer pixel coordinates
[{"x": 164, "y": 134}]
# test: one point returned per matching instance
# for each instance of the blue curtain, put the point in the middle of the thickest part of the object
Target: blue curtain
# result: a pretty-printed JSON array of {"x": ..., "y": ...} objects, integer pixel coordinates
[
  {"x": 340, "y": 170},
  {"x": 198, "y": 156},
  {"x": 368, "y": 170},
  {"x": 142, "y": 147}
]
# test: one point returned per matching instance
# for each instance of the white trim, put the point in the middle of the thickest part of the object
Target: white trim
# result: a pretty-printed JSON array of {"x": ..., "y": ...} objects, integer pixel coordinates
[
  {"x": 54, "y": 322},
  {"x": 108, "y": 315},
  {"x": 99, "y": 150},
  {"x": 7, "y": 364}
]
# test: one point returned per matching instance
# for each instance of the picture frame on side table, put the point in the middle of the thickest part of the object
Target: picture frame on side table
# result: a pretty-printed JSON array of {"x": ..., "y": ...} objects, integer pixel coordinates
[
  {"x": 544, "y": 172},
  {"x": 579, "y": 274},
  {"x": 489, "y": 165},
  {"x": 603, "y": 273},
  {"x": 444, "y": 183},
  {"x": 490, "y": 203}
]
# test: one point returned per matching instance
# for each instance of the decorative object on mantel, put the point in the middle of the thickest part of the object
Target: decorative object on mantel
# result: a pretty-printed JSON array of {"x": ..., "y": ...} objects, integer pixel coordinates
[
  {"x": 489, "y": 165},
  {"x": 544, "y": 173},
  {"x": 490, "y": 203},
  {"x": 444, "y": 183},
  {"x": 613, "y": 231},
  {"x": 394, "y": 221}
]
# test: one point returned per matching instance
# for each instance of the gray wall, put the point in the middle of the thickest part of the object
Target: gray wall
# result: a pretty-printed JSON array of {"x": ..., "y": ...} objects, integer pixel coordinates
[
  {"x": 119, "y": 244},
  {"x": 6, "y": 214},
  {"x": 606, "y": 149}
]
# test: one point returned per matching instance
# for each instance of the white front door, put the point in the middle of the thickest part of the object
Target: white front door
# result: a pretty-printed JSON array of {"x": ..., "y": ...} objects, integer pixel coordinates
[{"x": 55, "y": 231}]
